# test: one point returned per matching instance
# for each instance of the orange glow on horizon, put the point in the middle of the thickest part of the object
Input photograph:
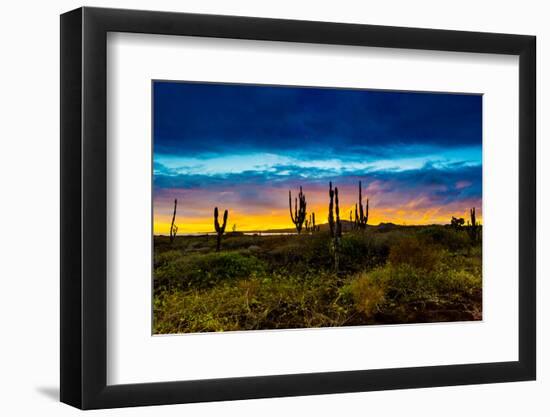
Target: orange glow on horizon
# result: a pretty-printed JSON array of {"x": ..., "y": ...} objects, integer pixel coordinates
[{"x": 280, "y": 219}]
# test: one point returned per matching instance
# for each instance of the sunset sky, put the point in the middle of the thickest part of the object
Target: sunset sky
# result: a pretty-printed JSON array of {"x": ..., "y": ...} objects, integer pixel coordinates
[{"x": 242, "y": 147}]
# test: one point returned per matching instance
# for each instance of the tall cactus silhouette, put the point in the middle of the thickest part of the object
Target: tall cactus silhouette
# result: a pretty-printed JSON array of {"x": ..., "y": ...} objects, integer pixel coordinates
[
  {"x": 334, "y": 213},
  {"x": 331, "y": 209},
  {"x": 334, "y": 224},
  {"x": 299, "y": 215},
  {"x": 473, "y": 216},
  {"x": 219, "y": 229},
  {"x": 173, "y": 226},
  {"x": 361, "y": 214},
  {"x": 473, "y": 230}
]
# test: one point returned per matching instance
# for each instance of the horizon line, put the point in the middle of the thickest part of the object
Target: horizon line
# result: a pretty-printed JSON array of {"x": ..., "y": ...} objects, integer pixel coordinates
[{"x": 322, "y": 224}]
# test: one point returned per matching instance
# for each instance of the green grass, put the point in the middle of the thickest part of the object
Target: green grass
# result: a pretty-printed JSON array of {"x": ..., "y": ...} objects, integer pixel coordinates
[{"x": 403, "y": 275}]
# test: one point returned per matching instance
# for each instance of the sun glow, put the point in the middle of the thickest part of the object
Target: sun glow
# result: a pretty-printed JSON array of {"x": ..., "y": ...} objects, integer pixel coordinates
[{"x": 280, "y": 218}]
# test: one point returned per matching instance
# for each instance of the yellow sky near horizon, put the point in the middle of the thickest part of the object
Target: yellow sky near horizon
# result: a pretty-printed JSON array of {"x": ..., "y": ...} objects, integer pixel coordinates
[{"x": 280, "y": 219}]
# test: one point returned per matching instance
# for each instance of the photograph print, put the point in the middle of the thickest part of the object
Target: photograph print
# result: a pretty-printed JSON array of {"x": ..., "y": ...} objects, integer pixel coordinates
[{"x": 290, "y": 207}]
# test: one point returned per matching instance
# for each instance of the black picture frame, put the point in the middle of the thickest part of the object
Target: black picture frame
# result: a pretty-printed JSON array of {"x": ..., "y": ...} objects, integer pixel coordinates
[{"x": 84, "y": 207}]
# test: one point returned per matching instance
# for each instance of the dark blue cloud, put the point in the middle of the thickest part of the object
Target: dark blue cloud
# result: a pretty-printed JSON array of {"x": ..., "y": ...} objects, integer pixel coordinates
[
  {"x": 439, "y": 184},
  {"x": 193, "y": 119}
]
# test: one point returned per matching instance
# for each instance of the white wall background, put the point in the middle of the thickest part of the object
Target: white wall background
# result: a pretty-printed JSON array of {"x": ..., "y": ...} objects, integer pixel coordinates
[{"x": 29, "y": 236}]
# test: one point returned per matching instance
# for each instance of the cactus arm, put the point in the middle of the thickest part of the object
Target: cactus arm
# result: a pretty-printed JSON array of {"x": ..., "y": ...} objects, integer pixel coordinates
[
  {"x": 225, "y": 214},
  {"x": 336, "y": 201},
  {"x": 290, "y": 206},
  {"x": 361, "y": 212},
  {"x": 216, "y": 223}
]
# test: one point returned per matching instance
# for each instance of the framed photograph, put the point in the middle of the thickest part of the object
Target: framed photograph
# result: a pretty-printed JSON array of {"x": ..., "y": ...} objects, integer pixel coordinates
[{"x": 257, "y": 208}]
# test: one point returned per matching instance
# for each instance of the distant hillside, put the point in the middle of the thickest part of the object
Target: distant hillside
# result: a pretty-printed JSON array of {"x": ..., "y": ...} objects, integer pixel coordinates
[{"x": 346, "y": 227}]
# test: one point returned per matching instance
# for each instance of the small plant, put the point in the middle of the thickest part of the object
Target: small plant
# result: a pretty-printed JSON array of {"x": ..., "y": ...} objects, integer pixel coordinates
[
  {"x": 173, "y": 226},
  {"x": 299, "y": 215},
  {"x": 310, "y": 224},
  {"x": 219, "y": 229}
]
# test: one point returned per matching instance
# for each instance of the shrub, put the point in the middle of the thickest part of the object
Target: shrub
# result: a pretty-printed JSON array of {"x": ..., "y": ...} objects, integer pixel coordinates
[
  {"x": 447, "y": 237},
  {"x": 361, "y": 251},
  {"x": 367, "y": 293},
  {"x": 300, "y": 255},
  {"x": 165, "y": 258},
  {"x": 397, "y": 292},
  {"x": 235, "y": 241},
  {"x": 459, "y": 282},
  {"x": 412, "y": 252},
  {"x": 289, "y": 253},
  {"x": 206, "y": 270},
  {"x": 406, "y": 284}
]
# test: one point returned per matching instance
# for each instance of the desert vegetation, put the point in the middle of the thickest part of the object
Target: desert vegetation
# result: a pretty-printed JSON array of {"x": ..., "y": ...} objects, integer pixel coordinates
[{"x": 340, "y": 273}]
